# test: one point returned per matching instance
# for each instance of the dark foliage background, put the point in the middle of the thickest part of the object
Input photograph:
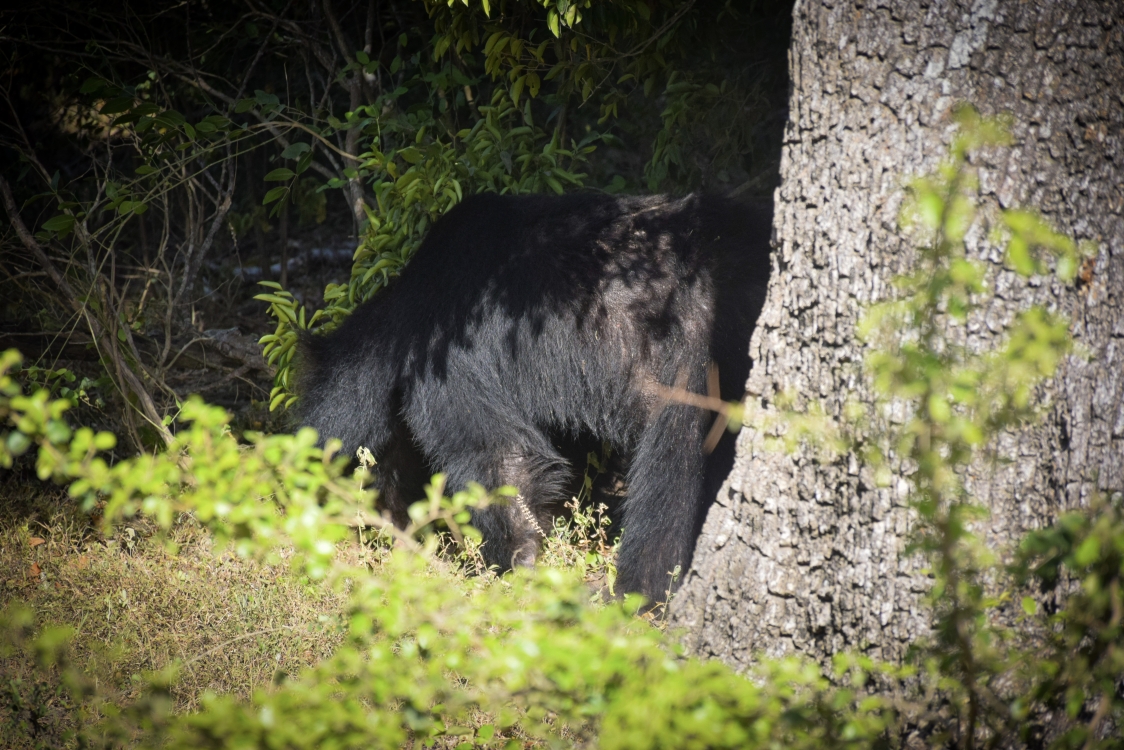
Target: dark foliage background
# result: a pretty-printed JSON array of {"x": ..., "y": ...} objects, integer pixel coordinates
[{"x": 171, "y": 155}]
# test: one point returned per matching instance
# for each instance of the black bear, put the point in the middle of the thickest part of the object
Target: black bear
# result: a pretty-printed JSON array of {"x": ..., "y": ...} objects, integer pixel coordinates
[{"x": 526, "y": 322}]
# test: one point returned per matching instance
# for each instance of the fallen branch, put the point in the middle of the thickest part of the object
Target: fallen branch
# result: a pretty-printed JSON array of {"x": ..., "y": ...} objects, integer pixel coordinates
[
  {"x": 726, "y": 411},
  {"x": 231, "y": 343}
]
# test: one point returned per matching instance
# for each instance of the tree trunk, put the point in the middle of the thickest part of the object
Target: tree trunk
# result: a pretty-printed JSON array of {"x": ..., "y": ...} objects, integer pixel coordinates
[{"x": 799, "y": 556}]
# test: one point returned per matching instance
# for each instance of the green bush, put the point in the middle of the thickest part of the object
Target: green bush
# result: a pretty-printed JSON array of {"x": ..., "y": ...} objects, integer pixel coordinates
[{"x": 429, "y": 653}]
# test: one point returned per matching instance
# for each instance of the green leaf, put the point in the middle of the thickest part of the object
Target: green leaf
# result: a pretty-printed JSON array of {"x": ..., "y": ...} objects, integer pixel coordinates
[
  {"x": 1029, "y": 605},
  {"x": 1087, "y": 552},
  {"x": 18, "y": 443},
  {"x": 1067, "y": 268},
  {"x": 266, "y": 100},
  {"x": 280, "y": 175},
  {"x": 1019, "y": 257},
  {"x": 930, "y": 206},
  {"x": 362, "y": 57},
  {"x": 62, "y": 224},
  {"x": 304, "y": 163},
  {"x": 217, "y": 121},
  {"x": 440, "y": 48},
  {"x": 275, "y": 194},
  {"x": 117, "y": 105},
  {"x": 58, "y": 431},
  {"x": 295, "y": 150},
  {"x": 170, "y": 118},
  {"x": 129, "y": 206},
  {"x": 274, "y": 299},
  {"x": 91, "y": 86}
]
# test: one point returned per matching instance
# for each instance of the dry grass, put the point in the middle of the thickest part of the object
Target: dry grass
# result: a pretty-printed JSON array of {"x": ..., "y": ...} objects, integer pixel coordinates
[
  {"x": 228, "y": 624},
  {"x": 231, "y": 624}
]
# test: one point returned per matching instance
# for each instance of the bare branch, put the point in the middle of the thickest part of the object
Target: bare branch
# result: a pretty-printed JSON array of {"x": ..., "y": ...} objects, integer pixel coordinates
[
  {"x": 261, "y": 50},
  {"x": 348, "y": 52},
  {"x": 144, "y": 399},
  {"x": 195, "y": 258}
]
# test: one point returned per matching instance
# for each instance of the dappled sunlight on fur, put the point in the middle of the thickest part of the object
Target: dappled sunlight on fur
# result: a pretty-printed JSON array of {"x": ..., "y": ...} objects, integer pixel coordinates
[{"x": 525, "y": 322}]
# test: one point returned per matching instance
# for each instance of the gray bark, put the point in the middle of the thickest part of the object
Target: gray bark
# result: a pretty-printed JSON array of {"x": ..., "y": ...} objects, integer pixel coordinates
[{"x": 798, "y": 556}]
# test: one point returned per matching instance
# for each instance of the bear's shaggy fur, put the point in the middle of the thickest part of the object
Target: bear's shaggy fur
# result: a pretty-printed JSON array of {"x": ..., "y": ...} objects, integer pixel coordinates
[{"x": 525, "y": 323}]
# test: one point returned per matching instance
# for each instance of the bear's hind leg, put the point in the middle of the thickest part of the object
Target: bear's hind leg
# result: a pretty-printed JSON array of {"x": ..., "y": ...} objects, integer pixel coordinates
[{"x": 665, "y": 483}]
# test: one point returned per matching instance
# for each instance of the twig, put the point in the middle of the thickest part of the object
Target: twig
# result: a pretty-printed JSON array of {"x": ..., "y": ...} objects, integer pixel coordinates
[{"x": 710, "y": 402}]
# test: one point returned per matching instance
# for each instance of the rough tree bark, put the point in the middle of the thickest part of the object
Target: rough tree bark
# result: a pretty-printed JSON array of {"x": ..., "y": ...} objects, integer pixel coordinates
[{"x": 802, "y": 557}]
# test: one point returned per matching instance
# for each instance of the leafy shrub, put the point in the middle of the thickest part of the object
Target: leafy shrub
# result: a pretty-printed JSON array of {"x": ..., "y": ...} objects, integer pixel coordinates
[{"x": 429, "y": 653}]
